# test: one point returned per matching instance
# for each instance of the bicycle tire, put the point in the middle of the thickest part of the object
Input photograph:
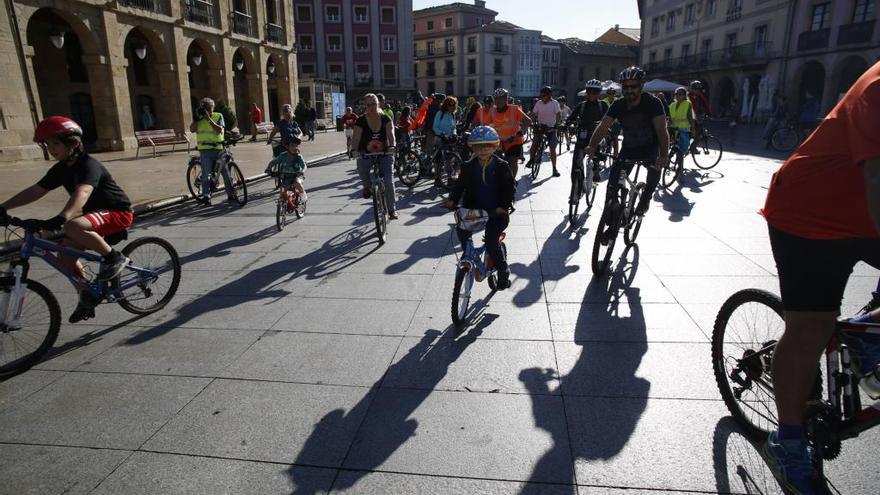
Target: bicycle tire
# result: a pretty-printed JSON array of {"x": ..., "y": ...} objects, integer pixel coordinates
[
  {"x": 703, "y": 148},
  {"x": 300, "y": 208},
  {"x": 591, "y": 192},
  {"x": 193, "y": 178},
  {"x": 379, "y": 216},
  {"x": 492, "y": 279},
  {"x": 280, "y": 214},
  {"x": 784, "y": 139},
  {"x": 634, "y": 225},
  {"x": 451, "y": 170},
  {"x": 601, "y": 259},
  {"x": 751, "y": 426},
  {"x": 410, "y": 168},
  {"x": 536, "y": 161},
  {"x": 239, "y": 187},
  {"x": 464, "y": 280},
  {"x": 47, "y": 338},
  {"x": 146, "y": 260},
  {"x": 574, "y": 199},
  {"x": 671, "y": 171}
]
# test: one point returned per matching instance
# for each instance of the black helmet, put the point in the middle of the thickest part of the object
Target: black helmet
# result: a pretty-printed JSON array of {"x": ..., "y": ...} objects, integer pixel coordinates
[
  {"x": 696, "y": 85},
  {"x": 632, "y": 74},
  {"x": 546, "y": 90}
]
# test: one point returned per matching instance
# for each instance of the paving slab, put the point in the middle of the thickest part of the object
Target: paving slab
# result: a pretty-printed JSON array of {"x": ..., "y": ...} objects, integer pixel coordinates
[
  {"x": 378, "y": 483},
  {"x": 503, "y": 320},
  {"x": 19, "y": 387},
  {"x": 39, "y": 469},
  {"x": 348, "y": 316},
  {"x": 622, "y": 322}
]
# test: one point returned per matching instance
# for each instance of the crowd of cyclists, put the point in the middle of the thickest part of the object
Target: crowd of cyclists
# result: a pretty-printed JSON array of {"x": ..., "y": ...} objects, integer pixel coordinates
[{"x": 823, "y": 204}]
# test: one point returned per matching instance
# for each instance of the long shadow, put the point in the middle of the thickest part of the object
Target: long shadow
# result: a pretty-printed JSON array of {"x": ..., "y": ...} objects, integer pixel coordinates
[
  {"x": 613, "y": 345},
  {"x": 421, "y": 249},
  {"x": 430, "y": 358},
  {"x": 739, "y": 465},
  {"x": 548, "y": 266}
]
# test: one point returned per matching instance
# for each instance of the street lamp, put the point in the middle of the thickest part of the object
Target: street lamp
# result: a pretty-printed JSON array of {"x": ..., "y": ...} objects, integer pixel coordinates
[
  {"x": 140, "y": 51},
  {"x": 270, "y": 68},
  {"x": 238, "y": 63},
  {"x": 57, "y": 39},
  {"x": 197, "y": 59}
]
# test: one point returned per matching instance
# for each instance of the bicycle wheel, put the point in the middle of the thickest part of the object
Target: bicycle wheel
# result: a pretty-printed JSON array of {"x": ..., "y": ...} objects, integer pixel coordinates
[
  {"x": 590, "y": 187},
  {"x": 22, "y": 346},
  {"x": 784, "y": 139},
  {"x": 451, "y": 169},
  {"x": 602, "y": 250},
  {"x": 300, "y": 208},
  {"x": 280, "y": 214},
  {"x": 574, "y": 199},
  {"x": 707, "y": 152},
  {"x": 379, "y": 215},
  {"x": 746, "y": 331},
  {"x": 461, "y": 295},
  {"x": 671, "y": 171},
  {"x": 536, "y": 162},
  {"x": 410, "y": 168},
  {"x": 150, "y": 281},
  {"x": 635, "y": 221},
  {"x": 492, "y": 279},
  {"x": 239, "y": 188},
  {"x": 194, "y": 178}
]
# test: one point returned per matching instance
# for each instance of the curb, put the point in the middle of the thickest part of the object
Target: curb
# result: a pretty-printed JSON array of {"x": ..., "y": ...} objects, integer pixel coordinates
[{"x": 172, "y": 201}]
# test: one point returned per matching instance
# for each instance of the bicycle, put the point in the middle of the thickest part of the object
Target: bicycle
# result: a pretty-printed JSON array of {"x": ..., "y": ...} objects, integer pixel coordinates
[
  {"x": 540, "y": 145},
  {"x": 583, "y": 183},
  {"x": 565, "y": 133},
  {"x": 446, "y": 162},
  {"x": 673, "y": 168},
  {"x": 619, "y": 212},
  {"x": 706, "y": 150},
  {"x": 411, "y": 165},
  {"x": 194, "y": 174},
  {"x": 289, "y": 201},
  {"x": 30, "y": 316},
  {"x": 377, "y": 191},
  {"x": 471, "y": 267},
  {"x": 742, "y": 365},
  {"x": 788, "y": 136}
]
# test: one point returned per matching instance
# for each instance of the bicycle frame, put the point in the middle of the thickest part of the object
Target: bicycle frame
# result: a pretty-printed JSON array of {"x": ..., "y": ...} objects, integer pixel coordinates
[
  {"x": 842, "y": 382},
  {"x": 627, "y": 187}
]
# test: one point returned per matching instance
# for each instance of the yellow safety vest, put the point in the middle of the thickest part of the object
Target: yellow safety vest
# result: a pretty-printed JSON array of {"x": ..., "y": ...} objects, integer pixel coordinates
[
  {"x": 678, "y": 114},
  {"x": 206, "y": 134},
  {"x": 609, "y": 100}
]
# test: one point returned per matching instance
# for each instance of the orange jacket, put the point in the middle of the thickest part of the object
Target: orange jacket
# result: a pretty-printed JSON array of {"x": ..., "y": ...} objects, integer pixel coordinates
[
  {"x": 507, "y": 124},
  {"x": 422, "y": 113}
]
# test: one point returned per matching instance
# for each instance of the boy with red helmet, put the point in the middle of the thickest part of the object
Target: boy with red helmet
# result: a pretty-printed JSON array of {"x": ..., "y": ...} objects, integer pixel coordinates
[{"x": 97, "y": 206}]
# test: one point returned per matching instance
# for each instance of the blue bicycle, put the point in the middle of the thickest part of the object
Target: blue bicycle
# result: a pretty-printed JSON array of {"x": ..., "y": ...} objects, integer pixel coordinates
[
  {"x": 471, "y": 266},
  {"x": 30, "y": 316}
]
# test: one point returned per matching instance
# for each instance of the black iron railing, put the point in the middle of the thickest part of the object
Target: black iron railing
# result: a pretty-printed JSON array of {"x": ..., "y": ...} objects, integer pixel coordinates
[
  {"x": 748, "y": 54},
  {"x": 275, "y": 34},
  {"x": 201, "y": 12},
  {"x": 243, "y": 23},
  {"x": 157, "y": 6},
  {"x": 857, "y": 32},
  {"x": 814, "y": 40}
]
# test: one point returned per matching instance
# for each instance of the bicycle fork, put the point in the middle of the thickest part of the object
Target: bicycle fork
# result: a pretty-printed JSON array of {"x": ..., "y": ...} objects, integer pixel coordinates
[{"x": 12, "y": 303}]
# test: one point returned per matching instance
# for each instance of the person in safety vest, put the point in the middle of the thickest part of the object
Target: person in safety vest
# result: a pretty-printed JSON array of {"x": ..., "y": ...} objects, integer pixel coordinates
[
  {"x": 509, "y": 121},
  {"x": 681, "y": 121},
  {"x": 209, "y": 128}
]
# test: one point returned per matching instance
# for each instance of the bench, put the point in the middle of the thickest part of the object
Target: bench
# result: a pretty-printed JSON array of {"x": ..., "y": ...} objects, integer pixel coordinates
[
  {"x": 265, "y": 127},
  {"x": 159, "y": 138}
]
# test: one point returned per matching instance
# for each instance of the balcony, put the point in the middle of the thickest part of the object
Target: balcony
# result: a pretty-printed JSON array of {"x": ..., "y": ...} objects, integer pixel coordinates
[
  {"x": 733, "y": 14},
  {"x": 814, "y": 40},
  {"x": 857, "y": 32},
  {"x": 200, "y": 12},
  {"x": 336, "y": 76},
  {"x": 434, "y": 53},
  {"x": 275, "y": 34},
  {"x": 751, "y": 54},
  {"x": 363, "y": 81},
  {"x": 388, "y": 82},
  {"x": 243, "y": 23},
  {"x": 500, "y": 49},
  {"x": 155, "y": 6}
]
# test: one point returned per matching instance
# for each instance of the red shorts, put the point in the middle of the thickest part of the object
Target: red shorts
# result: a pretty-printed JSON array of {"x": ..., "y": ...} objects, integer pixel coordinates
[{"x": 106, "y": 222}]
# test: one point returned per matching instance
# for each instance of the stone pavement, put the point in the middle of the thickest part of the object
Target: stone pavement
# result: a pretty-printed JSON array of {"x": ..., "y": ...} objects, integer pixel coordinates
[
  {"x": 148, "y": 179},
  {"x": 314, "y": 360}
]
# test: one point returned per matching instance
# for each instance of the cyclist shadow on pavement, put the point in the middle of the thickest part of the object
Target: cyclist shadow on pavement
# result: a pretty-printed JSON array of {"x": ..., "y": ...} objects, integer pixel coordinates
[
  {"x": 675, "y": 203},
  {"x": 433, "y": 247},
  {"x": 550, "y": 265},
  {"x": 378, "y": 431},
  {"x": 739, "y": 465},
  {"x": 604, "y": 397}
]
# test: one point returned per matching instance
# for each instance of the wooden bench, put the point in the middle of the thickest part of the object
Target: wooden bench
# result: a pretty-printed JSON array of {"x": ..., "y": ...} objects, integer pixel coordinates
[
  {"x": 159, "y": 138},
  {"x": 265, "y": 127}
]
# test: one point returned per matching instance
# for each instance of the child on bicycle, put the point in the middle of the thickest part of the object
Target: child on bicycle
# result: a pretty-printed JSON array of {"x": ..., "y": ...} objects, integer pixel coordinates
[
  {"x": 290, "y": 165},
  {"x": 486, "y": 183}
]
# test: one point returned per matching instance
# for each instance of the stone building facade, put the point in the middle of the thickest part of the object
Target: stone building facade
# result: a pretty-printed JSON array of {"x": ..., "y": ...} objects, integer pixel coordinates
[
  {"x": 584, "y": 60},
  {"x": 102, "y": 62}
]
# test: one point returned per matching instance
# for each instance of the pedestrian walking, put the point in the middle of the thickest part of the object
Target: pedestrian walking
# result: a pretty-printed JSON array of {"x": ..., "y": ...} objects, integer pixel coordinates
[
  {"x": 312, "y": 118},
  {"x": 256, "y": 118}
]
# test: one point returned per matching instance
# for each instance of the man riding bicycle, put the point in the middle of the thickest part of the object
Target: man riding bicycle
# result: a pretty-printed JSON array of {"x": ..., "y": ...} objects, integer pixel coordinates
[
  {"x": 681, "y": 119},
  {"x": 546, "y": 112},
  {"x": 209, "y": 128},
  {"x": 565, "y": 113},
  {"x": 97, "y": 206},
  {"x": 508, "y": 121},
  {"x": 645, "y": 138},
  {"x": 585, "y": 116},
  {"x": 823, "y": 214}
]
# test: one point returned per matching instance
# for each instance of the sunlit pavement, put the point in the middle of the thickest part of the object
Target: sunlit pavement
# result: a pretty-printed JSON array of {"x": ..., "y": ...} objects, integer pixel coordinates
[{"x": 314, "y": 360}]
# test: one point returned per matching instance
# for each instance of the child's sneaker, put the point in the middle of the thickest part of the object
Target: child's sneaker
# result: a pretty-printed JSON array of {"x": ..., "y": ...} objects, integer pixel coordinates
[{"x": 791, "y": 462}]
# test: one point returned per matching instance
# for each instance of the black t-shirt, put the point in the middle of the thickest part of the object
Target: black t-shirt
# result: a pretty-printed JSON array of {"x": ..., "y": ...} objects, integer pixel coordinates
[
  {"x": 107, "y": 195},
  {"x": 373, "y": 141},
  {"x": 587, "y": 113},
  {"x": 639, "y": 137}
]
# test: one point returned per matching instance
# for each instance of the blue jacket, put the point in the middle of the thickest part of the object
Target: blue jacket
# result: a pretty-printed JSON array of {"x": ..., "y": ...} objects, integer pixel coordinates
[
  {"x": 444, "y": 124},
  {"x": 289, "y": 164}
]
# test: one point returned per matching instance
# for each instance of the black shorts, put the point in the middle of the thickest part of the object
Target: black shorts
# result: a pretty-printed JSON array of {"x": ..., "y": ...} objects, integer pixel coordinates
[
  {"x": 515, "y": 151},
  {"x": 813, "y": 273}
]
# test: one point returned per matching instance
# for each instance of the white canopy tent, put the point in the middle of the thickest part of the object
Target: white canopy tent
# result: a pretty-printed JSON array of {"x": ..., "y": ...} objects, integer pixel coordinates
[
  {"x": 609, "y": 84},
  {"x": 661, "y": 85}
]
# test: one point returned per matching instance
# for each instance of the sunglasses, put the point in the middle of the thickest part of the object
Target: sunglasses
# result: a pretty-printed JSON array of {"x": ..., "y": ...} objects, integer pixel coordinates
[
  {"x": 632, "y": 86},
  {"x": 593, "y": 91}
]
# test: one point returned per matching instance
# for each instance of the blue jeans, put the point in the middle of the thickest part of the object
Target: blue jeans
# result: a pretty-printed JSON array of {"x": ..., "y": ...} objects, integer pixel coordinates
[
  {"x": 684, "y": 143},
  {"x": 386, "y": 165},
  {"x": 208, "y": 159}
]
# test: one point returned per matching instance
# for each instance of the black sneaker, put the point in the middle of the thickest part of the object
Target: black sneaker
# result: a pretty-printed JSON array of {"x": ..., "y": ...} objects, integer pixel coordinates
[
  {"x": 503, "y": 280},
  {"x": 641, "y": 209},
  {"x": 529, "y": 165},
  {"x": 114, "y": 263},
  {"x": 556, "y": 173},
  {"x": 85, "y": 309}
]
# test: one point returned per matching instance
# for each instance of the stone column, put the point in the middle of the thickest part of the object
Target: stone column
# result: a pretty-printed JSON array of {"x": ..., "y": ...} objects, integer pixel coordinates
[
  {"x": 170, "y": 89},
  {"x": 111, "y": 97},
  {"x": 179, "y": 79}
]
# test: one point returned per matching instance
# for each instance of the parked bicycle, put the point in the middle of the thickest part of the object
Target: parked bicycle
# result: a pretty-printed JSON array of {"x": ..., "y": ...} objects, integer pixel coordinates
[
  {"x": 377, "y": 191},
  {"x": 619, "y": 212},
  {"x": 471, "y": 267},
  {"x": 237, "y": 188},
  {"x": 745, "y": 334},
  {"x": 289, "y": 202},
  {"x": 30, "y": 316},
  {"x": 789, "y": 136},
  {"x": 540, "y": 146}
]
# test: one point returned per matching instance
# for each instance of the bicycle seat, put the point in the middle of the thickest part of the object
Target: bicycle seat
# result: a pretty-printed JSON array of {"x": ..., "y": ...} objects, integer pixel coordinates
[{"x": 116, "y": 238}]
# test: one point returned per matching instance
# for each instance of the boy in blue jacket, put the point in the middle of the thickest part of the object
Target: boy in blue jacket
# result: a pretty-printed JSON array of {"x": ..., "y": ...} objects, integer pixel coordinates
[{"x": 290, "y": 165}]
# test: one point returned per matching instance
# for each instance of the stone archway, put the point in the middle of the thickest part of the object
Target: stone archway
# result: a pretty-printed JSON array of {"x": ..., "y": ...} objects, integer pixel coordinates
[
  {"x": 151, "y": 78},
  {"x": 204, "y": 73},
  {"x": 726, "y": 94},
  {"x": 277, "y": 86},
  {"x": 810, "y": 82},
  {"x": 245, "y": 86},
  {"x": 846, "y": 72}
]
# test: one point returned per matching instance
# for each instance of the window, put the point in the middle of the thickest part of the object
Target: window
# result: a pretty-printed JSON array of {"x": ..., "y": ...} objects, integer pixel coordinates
[
  {"x": 432, "y": 88},
  {"x": 472, "y": 44},
  {"x": 499, "y": 44},
  {"x": 389, "y": 74},
  {"x": 304, "y": 13},
  {"x": 499, "y": 69},
  {"x": 655, "y": 26},
  {"x": 450, "y": 88},
  {"x": 331, "y": 13},
  {"x": 430, "y": 25},
  {"x": 334, "y": 43},
  {"x": 689, "y": 15},
  {"x": 652, "y": 57},
  {"x": 335, "y": 71},
  {"x": 821, "y": 17},
  {"x": 388, "y": 15},
  {"x": 731, "y": 41},
  {"x": 612, "y": 74},
  {"x": 450, "y": 47},
  {"x": 362, "y": 43},
  {"x": 447, "y": 68},
  {"x": 363, "y": 72},
  {"x": 415, "y": 70},
  {"x": 308, "y": 69},
  {"x": 667, "y": 54},
  {"x": 760, "y": 38},
  {"x": 389, "y": 43},
  {"x": 711, "y": 7},
  {"x": 306, "y": 42},
  {"x": 863, "y": 11},
  {"x": 599, "y": 73},
  {"x": 360, "y": 13},
  {"x": 685, "y": 50},
  {"x": 706, "y": 48},
  {"x": 472, "y": 87},
  {"x": 670, "y": 21},
  {"x": 429, "y": 47},
  {"x": 432, "y": 70},
  {"x": 472, "y": 66},
  {"x": 447, "y": 23},
  {"x": 497, "y": 83}
]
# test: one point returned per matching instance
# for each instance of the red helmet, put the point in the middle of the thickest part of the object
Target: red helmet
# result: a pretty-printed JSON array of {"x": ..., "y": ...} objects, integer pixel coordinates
[{"x": 58, "y": 127}]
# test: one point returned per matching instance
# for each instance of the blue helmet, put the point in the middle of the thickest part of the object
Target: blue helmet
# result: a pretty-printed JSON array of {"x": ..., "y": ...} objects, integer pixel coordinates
[{"x": 483, "y": 135}]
